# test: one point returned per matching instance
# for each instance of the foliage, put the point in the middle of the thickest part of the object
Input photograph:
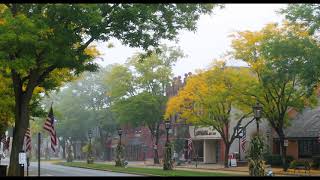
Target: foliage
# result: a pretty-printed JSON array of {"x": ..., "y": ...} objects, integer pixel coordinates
[
  {"x": 305, "y": 14},
  {"x": 137, "y": 89},
  {"x": 316, "y": 162},
  {"x": 120, "y": 156},
  {"x": 208, "y": 97},
  {"x": 167, "y": 161},
  {"x": 82, "y": 105},
  {"x": 255, "y": 156},
  {"x": 46, "y": 45},
  {"x": 295, "y": 163},
  {"x": 90, "y": 157},
  {"x": 6, "y": 104},
  {"x": 275, "y": 159}
]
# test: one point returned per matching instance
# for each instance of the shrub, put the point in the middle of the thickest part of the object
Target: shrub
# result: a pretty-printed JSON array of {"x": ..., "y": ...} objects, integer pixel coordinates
[
  {"x": 295, "y": 163},
  {"x": 316, "y": 162},
  {"x": 276, "y": 159},
  {"x": 255, "y": 157}
]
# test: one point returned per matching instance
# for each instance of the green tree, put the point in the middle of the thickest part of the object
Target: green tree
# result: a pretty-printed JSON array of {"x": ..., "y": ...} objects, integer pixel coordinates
[
  {"x": 138, "y": 90},
  {"x": 307, "y": 15},
  {"x": 278, "y": 54},
  {"x": 44, "y": 45},
  {"x": 6, "y": 104},
  {"x": 83, "y": 105}
]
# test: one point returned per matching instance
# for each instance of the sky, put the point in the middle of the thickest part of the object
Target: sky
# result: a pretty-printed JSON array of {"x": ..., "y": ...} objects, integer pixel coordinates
[{"x": 211, "y": 39}]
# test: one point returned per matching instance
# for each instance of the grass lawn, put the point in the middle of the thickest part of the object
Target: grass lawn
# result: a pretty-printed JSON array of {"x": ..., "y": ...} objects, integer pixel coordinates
[{"x": 143, "y": 171}]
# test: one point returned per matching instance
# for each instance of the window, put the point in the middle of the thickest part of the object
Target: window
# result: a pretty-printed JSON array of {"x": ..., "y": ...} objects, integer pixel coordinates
[
  {"x": 217, "y": 151},
  {"x": 308, "y": 148}
]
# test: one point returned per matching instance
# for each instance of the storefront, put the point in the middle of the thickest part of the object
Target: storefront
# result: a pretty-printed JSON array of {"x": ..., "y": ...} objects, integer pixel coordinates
[
  {"x": 206, "y": 144},
  {"x": 302, "y": 136}
]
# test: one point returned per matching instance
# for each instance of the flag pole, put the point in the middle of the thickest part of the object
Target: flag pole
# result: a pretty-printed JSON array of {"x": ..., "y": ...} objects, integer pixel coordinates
[{"x": 39, "y": 139}]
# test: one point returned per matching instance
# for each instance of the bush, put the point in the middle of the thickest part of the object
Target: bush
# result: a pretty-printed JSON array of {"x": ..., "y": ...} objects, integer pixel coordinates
[
  {"x": 276, "y": 159},
  {"x": 295, "y": 163},
  {"x": 290, "y": 159},
  {"x": 315, "y": 162}
]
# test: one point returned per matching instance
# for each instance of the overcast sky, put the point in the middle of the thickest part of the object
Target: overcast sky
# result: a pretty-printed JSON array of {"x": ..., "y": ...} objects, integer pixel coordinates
[{"x": 211, "y": 40}]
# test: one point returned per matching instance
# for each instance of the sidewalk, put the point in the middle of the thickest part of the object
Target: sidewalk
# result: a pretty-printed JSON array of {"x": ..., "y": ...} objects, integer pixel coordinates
[
  {"x": 190, "y": 167},
  {"x": 201, "y": 167}
]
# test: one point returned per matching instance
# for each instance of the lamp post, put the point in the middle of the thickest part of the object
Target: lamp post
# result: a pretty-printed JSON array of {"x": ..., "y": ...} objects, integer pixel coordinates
[
  {"x": 167, "y": 124},
  {"x": 119, "y": 156},
  {"x": 257, "y": 110},
  {"x": 120, "y": 133},
  {"x": 239, "y": 132},
  {"x": 90, "y": 160},
  {"x": 167, "y": 165}
]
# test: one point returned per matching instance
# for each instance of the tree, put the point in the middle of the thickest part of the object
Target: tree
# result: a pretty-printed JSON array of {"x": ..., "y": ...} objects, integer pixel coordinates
[
  {"x": 138, "y": 90},
  {"x": 307, "y": 15},
  {"x": 43, "y": 45},
  {"x": 83, "y": 105},
  {"x": 6, "y": 104},
  {"x": 209, "y": 98},
  {"x": 278, "y": 55}
]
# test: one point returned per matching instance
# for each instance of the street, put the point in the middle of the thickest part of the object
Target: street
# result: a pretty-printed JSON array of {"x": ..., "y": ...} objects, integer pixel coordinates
[{"x": 49, "y": 169}]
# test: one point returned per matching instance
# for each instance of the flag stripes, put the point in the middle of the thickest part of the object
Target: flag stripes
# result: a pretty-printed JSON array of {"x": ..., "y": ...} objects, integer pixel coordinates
[
  {"x": 3, "y": 138},
  {"x": 189, "y": 145},
  {"x": 49, "y": 126},
  {"x": 243, "y": 141},
  {"x": 28, "y": 139}
]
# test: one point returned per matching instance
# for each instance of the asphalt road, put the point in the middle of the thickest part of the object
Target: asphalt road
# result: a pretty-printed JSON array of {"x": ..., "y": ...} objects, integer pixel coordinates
[{"x": 48, "y": 169}]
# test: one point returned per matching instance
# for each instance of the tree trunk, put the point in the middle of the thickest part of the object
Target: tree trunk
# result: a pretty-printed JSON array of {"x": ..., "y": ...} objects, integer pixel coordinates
[
  {"x": 21, "y": 124},
  {"x": 226, "y": 155},
  {"x": 283, "y": 153},
  {"x": 74, "y": 145},
  {"x": 63, "y": 144},
  {"x": 156, "y": 153}
]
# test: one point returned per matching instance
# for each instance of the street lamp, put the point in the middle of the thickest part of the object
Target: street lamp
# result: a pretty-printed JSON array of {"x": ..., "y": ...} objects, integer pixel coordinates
[
  {"x": 119, "y": 155},
  {"x": 168, "y": 126},
  {"x": 257, "y": 110},
  {"x": 90, "y": 160},
  {"x": 167, "y": 165},
  {"x": 239, "y": 132},
  {"x": 120, "y": 133}
]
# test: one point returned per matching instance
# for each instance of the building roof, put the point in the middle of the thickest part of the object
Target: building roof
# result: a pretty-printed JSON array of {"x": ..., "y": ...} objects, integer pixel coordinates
[{"x": 306, "y": 124}]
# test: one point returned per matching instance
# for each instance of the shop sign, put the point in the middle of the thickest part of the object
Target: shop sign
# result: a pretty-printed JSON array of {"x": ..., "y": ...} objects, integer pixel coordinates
[{"x": 203, "y": 133}]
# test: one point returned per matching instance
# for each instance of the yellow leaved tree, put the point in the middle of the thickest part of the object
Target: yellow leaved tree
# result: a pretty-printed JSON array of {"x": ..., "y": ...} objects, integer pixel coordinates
[{"x": 211, "y": 97}]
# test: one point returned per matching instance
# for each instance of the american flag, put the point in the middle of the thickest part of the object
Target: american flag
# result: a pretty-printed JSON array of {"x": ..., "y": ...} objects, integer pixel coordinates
[
  {"x": 243, "y": 140},
  {"x": 7, "y": 144},
  {"x": 3, "y": 139},
  {"x": 189, "y": 145},
  {"x": 28, "y": 140},
  {"x": 49, "y": 126}
]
